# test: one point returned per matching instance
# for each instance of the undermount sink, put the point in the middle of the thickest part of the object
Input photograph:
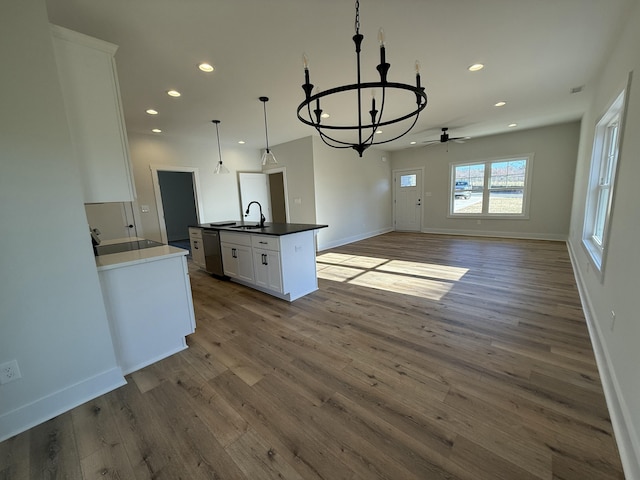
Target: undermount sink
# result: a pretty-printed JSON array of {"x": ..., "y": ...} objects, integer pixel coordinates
[{"x": 246, "y": 227}]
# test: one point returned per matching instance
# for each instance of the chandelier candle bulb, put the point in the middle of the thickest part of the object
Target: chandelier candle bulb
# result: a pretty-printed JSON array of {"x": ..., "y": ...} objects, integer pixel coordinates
[
  {"x": 307, "y": 87},
  {"x": 383, "y": 57},
  {"x": 305, "y": 62}
]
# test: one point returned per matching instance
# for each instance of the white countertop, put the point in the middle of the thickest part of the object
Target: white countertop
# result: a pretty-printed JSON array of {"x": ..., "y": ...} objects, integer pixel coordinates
[{"x": 125, "y": 259}]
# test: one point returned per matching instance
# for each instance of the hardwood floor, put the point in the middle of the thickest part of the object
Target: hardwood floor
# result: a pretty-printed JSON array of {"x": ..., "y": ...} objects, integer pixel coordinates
[{"x": 420, "y": 357}]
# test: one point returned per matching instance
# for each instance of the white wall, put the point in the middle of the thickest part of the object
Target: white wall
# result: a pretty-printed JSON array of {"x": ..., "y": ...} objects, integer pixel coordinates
[
  {"x": 297, "y": 158},
  {"x": 219, "y": 194},
  {"x": 353, "y": 194},
  {"x": 52, "y": 317},
  {"x": 619, "y": 348},
  {"x": 555, "y": 150},
  {"x": 335, "y": 187}
]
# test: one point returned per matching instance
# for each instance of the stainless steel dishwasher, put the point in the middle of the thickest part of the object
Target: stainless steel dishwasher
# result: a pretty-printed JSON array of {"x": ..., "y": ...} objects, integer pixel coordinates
[{"x": 212, "y": 252}]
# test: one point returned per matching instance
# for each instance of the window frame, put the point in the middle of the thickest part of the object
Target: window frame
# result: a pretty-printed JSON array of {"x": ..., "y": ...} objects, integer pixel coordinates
[
  {"x": 524, "y": 215},
  {"x": 603, "y": 173}
]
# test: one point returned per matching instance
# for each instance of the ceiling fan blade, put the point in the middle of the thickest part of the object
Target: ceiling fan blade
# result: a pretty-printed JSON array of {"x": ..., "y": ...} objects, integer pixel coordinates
[{"x": 445, "y": 138}]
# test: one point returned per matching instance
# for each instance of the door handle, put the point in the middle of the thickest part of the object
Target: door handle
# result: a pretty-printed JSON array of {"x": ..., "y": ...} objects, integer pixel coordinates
[{"x": 234, "y": 253}]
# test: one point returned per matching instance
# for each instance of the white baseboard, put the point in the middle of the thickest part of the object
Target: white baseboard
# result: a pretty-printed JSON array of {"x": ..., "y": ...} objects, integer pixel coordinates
[
  {"x": 181, "y": 345},
  {"x": 355, "y": 238},
  {"x": 626, "y": 436},
  {"x": 46, "y": 408},
  {"x": 489, "y": 233}
]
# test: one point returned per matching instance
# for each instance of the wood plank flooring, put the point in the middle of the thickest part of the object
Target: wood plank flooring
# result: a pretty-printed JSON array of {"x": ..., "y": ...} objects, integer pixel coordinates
[{"x": 420, "y": 357}]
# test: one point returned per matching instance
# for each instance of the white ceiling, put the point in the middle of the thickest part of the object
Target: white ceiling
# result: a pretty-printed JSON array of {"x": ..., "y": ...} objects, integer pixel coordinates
[{"x": 535, "y": 51}]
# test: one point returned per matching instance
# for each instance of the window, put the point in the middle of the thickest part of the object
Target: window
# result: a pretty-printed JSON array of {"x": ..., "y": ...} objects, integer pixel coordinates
[
  {"x": 491, "y": 188},
  {"x": 408, "y": 180},
  {"x": 604, "y": 160}
]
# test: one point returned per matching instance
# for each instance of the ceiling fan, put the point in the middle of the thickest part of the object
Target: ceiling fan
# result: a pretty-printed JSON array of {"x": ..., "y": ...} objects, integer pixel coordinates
[{"x": 444, "y": 138}]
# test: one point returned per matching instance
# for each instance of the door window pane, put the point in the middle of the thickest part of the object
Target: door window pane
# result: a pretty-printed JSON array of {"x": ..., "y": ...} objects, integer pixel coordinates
[{"x": 408, "y": 180}]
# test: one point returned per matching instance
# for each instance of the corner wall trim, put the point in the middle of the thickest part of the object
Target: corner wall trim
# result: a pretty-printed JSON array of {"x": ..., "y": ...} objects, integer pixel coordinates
[
  {"x": 45, "y": 408},
  {"x": 626, "y": 437}
]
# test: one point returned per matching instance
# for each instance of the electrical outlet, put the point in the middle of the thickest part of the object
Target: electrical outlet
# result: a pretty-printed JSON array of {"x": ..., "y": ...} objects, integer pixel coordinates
[{"x": 9, "y": 372}]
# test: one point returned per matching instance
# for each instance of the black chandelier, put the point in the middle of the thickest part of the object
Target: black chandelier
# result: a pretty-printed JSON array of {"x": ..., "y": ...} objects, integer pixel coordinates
[{"x": 366, "y": 131}]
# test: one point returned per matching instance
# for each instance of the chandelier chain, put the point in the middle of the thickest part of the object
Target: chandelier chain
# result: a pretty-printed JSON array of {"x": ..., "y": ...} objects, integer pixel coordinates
[{"x": 357, "y": 23}]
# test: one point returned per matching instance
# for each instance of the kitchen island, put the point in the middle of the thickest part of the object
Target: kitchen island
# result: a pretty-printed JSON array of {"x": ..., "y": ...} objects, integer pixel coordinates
[
  {"x": 276, "y": 258},
  {"x": 147, "y": 295}
]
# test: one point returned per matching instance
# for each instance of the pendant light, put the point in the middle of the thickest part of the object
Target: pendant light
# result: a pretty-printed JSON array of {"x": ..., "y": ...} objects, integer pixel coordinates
[
  {"x": 268, "y": 158},
  {"x": 220, "y": 168}
]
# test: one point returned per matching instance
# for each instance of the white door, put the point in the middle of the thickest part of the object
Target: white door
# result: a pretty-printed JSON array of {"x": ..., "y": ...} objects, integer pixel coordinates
[
  {"x": 407, "y": 192},
  {"x": 114, "y": 220},
  {"x": 255, "y": 187}
]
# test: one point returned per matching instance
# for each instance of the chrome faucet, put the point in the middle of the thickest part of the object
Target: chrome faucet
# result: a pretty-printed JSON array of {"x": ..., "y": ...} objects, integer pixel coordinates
[{"x": 262, "y": 219}]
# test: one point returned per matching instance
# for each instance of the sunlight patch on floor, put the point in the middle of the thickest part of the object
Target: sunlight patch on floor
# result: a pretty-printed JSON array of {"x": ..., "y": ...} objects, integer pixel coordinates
[{"x": 424, "y": 280}]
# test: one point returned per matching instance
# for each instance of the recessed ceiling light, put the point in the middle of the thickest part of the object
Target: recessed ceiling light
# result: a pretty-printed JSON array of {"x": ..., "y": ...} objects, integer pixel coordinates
[
  {"x": 500, "y": 104},
  {"x": 151, "y": 111},
  {"x": 378, "y": 132},
  {"x": 205, "y": 67},
  {"x": 511, "y": 125},
  {"x": 412, "y": 143},
  {"x": 156, "y": 130},
  {"x": 475, "y": 67},
  {"x": 173, "y": 93},
  {"x": 241, "y": 142},
  {"x": 325, "y": 115}
]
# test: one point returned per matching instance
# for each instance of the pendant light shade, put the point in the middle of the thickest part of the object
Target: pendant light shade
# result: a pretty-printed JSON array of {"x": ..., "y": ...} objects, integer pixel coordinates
[
  {"x": 220, "y": 168},
  {"x": 268, "y": 158}
]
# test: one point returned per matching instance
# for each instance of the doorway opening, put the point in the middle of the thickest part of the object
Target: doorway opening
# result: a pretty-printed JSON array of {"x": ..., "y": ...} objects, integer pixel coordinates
[
  {"x": 176, "y": 190},
  {"x": 270, "y": 190}
]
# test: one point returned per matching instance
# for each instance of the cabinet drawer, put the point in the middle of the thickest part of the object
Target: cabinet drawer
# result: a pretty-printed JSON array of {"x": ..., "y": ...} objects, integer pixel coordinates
[
  {"x": 195, "y": 233},
  {"x": 267, "y": 242},
  {"x": 236, "y": 238}
]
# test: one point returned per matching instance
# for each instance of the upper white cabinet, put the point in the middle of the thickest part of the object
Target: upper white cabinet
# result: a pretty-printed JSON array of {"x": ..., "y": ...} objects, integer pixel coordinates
[{"x": 87, "y": 72}]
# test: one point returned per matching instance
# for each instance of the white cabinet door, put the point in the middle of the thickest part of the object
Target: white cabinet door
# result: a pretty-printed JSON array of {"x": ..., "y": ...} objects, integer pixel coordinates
[
  {"x": 197, "y": 247},
  {"x": 230, "y": 260},
  {"x": 268, "y": 269},
  {"x": 88, "y": 78},
  {"x": 237, "y": 261}
]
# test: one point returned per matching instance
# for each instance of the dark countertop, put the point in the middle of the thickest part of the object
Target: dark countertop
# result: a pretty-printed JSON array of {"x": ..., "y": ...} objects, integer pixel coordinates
[{"x": 277, "y": 229}]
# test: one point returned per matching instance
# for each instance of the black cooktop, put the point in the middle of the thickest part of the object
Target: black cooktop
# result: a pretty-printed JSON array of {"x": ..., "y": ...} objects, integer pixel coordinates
[{"x": 125, "y": 247}]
